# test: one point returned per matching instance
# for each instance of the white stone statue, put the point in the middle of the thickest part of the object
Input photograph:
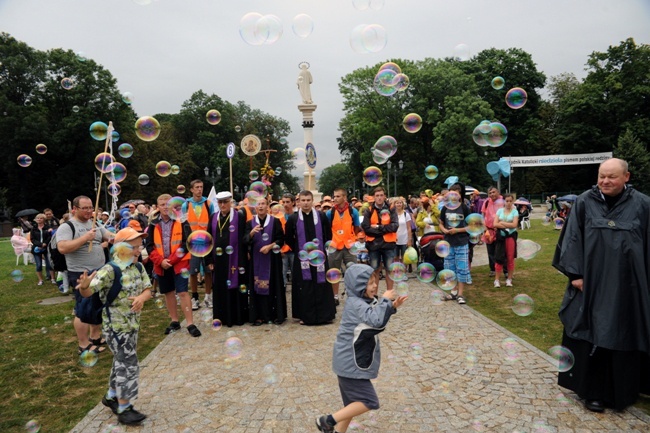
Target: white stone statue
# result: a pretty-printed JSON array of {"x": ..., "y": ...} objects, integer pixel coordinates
[{"x": 304, "y": 83}]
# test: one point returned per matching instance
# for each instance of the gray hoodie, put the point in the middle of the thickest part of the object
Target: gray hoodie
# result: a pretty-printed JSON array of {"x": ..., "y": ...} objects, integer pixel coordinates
[{"x": 356, "y": 350}]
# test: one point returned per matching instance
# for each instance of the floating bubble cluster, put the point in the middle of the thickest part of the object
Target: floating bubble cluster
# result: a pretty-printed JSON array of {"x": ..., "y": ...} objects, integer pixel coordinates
[
  {"x": 258, "y": 29},
  {"x": 389, "y": 80},
  {"x": 490, "y": 134}
]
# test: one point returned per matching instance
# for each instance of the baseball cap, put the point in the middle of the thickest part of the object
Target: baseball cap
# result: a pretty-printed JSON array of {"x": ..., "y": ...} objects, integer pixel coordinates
[
  {"x": 326, "y": 205},
  {"x": 128, "y": 234},
  {"x": 106, "y": 213},
  {"x": 327, "y": 198}
]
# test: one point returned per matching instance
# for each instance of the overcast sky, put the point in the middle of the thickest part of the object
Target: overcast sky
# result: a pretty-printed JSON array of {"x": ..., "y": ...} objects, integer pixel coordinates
[{"x": 164, "y": 50}]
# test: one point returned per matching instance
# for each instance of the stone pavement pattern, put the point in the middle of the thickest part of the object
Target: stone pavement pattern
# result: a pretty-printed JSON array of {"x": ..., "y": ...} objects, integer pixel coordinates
[{"x": 444, "y": 369}]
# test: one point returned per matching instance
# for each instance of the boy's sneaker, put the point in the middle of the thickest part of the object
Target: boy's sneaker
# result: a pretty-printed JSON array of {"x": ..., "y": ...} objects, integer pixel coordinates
[
  {"x": 322, "y": 425},
  {"x": 174, "y": 326},
  {"x": 207, "y": 301},
  {"x": 497, "y": 283},
  {"x": 461, "y": 300},
  {"x": 110, "y": 403},
  {"x": 131, "y": 416},
  {"x": 195, "y": 304},
  {"x": 508, "y": 282}
]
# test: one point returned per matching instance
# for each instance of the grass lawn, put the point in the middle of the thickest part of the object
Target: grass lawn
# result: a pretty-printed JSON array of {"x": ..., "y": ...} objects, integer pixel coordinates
[
  {"x": 43, "y": 380},
  {"x": 40, "y": 373}
]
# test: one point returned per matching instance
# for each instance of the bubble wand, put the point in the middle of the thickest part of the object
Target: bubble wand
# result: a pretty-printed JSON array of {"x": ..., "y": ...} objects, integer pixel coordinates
[{"x": 109, "y": 137}]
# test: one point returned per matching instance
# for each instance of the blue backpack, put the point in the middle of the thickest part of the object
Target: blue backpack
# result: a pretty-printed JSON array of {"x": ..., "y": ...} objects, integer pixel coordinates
[{"x": 90, "y": 309}]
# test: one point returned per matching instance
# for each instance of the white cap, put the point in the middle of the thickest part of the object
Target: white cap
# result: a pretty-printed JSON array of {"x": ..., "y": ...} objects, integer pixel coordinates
[{"x": 224, "y": 195}]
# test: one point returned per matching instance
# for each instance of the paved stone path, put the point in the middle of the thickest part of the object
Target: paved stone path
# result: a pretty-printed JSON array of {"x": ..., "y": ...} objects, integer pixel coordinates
[{"x": 445, "y": 368}]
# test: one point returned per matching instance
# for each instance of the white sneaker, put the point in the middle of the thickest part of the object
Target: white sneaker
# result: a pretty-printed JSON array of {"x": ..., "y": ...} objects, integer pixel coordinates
[
  {"x": 195, "y": 304},
  {"x": 207, "y": 301},
  {"x": 497, "y": 283},
  {"x": 508, "y": 282}
]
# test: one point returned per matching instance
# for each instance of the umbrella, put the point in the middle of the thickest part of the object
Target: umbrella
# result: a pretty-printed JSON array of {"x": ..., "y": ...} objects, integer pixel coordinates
[
  {"x": 26, "y": 212},
  {"x": 134, "y": 201},
  {"x": 469, "y": 190},
  {"x": 522, "y": 200},
  {"x": 569, "y": 197}
]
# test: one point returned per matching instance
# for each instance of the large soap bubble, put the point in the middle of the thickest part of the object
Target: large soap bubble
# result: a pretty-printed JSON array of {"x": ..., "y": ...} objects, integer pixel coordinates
[{"x": 147, "y": 128}]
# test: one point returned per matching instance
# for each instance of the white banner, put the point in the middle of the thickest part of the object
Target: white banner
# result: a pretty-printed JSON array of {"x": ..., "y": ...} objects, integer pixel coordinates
[{"x": 546, "y": 160}]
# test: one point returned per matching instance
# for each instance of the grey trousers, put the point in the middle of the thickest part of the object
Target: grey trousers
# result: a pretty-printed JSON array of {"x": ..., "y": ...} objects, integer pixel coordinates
[{"x": 125, "y": 370}]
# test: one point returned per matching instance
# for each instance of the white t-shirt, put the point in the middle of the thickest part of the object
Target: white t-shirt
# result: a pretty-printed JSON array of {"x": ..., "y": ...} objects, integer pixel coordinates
[{"x": 404, "y": 227}]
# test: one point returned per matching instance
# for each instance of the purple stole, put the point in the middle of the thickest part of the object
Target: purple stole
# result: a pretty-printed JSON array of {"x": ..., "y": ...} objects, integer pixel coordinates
[
  {"x": 233, "y": 259},
  {"x": 304, "y": 264},
  {"x": 262, "y": 262}
]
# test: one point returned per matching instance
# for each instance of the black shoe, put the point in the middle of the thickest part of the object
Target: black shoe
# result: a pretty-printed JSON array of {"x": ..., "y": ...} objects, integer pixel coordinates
[
  {"x": 595, "y": 405},
  {"x": 336, "y": 301},
  {"x": 174, "y": 326},
  {"x": 111, "y": 403},
  {"x": 322, "y": 425},
  {"x": 194, "y": 331},
  {"x": 131, "y": 416}
]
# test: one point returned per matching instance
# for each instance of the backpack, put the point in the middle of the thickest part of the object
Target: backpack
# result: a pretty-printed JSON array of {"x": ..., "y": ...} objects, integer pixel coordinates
[
  {"x": 90, "y": 309},
  {"x": 58, "y": 259}
]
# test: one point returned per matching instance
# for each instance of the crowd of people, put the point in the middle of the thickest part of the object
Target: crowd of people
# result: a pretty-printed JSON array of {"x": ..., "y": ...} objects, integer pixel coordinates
[{"x": 254, "y": 251}]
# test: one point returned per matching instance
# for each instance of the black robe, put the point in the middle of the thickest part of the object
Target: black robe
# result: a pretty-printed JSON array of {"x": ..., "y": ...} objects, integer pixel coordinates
[
  {"x": 271, "y": 307},
  {"x": 607, "y": 324},
  {"x": 311, "y": 302},
  {"x": 229, "y": 305}
]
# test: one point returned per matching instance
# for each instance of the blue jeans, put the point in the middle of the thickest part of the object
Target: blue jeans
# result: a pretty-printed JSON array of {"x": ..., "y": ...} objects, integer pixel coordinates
[
  {"x": 384, "y": 255},
  {"x": 287, "y": 263},
  {"x": 39, "y": 259}
]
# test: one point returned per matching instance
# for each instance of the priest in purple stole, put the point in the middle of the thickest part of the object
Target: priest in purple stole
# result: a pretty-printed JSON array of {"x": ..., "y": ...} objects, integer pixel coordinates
[
  {"x": 229, "y": 263},
  {"x": 306, "y": 232},
  {"x": 264, "y": 235}
]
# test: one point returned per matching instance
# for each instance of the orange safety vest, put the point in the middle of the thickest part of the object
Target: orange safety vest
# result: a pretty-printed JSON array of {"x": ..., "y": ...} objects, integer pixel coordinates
[
  {"x": 374, "y": 219},
  {"x": 342, "y": 229},
  {"x": 175, "y": 242},
  {"x": 200, "y": 222},
  {"x": 283, "y": 220}
]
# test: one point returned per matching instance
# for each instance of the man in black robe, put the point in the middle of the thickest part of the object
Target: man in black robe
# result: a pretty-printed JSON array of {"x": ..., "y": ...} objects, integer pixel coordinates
[
  {"x": 264, "y": 235},
  {"x": 605, "y": 252},
  {"x": 229, "y": 264},
  {"x": 312, "y": 301}
]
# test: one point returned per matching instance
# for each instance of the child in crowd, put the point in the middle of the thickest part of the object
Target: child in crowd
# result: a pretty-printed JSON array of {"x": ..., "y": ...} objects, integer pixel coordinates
[
  {"x": 356, "y": 354},
  {"x": 121, "y": 320}
]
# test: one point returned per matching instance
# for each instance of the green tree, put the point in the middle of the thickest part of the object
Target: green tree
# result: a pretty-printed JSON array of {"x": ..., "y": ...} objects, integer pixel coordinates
[
  {"x": 634, "y": 152},
  {"x": 337, "y": 176},
  {"x": 36, "y": 109}
]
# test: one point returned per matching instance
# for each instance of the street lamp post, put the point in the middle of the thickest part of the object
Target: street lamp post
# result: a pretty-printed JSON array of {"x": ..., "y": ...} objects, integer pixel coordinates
[
  {"x": 212, "y": 176},
  {"x": 400, "y": 164},
  {"x": 389, "y": 165}
]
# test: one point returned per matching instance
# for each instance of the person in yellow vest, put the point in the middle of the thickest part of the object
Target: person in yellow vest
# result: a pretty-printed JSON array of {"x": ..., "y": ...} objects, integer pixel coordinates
[
  {"x": 198, "y": 210},
  {"x": 380, "y": 224},
  {"x": 345, "y": 226},
  {"x": 167, "y": 238}
]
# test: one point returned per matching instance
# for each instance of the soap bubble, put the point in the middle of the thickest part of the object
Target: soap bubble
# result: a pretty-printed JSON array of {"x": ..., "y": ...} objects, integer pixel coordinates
[
  {"x": 143, "y": 179},
  {"x": 303, "y": 25},
  {"x": 401, "y": 82},
  {"x": 253, "y": 175},
  {"x": 333, "y": 275},
  {"x": 181, "y": 189},
  {"x": 511, "y": 348},
  {"x": 462, "y": 52},
  {"x": 426, "y": 272},
  {"x": 80, "y": 56},
  {"x": 258, "y": 29},
  {"x": 75, "y": 108},
  {"x": 299, "y": 155},
  {"x": 523, "y": 305},
  {"x": 438, "y": 297},
  {"x": 372, "y": 176},
  {"x": 98, "y": 131},
  {"x": 199, "y": 243},
  {"x": 412, "y": 123},
  {"x": 546, "y": 220},
  {"x": 498, "y": 83},
  {"x": 216, "y": 325},
  {"x": 366, "y": 38},
  {"x": 175, "y": 169},
  {"x": 103, "y": 162},
  {"x": 88, "y": 358},
  {"x": 474, "y": 224},
  {"x": 316, "y": 257},
  {"x": 233, "y": 347},
  {"x": 402, "y": 288},
  {"x": 516, "y": 98},
  {"x": 127, "y": 98},
  {"x": 114, "y": 189},
  {"x": 67, "y": 83},
  {"x": 446, "y": 279},
  {"x": 24, "y": 160},
  {"x": 163, "y": 168},
  {"x": 397, "y": 271},
  {"x": 213, "y": 117},
  {"x": 558, "y": 223},
  {"x": 270, "y": 374},
  {"x": 41, "y": 149},
  {"x": 443, "y": 249},
  {"x": 563, "y": 357},
  {"x": 116, "y": 172},
  {"x": 498, "y": 134},
  {"x": 175, "y": 208},
  {"x": 147, "y": 128},
  {"x": 276, "y": 249},
  {"x": 17, "y": 275},
  {"x": 278, "y": 171},
  {"x": 431, "y": 172},
  {"x": 32, "y": 426},
  {"x": 125, "y": 150},
  {"x": 527, "y": 249},
  {"x": 386, "y": 144}
]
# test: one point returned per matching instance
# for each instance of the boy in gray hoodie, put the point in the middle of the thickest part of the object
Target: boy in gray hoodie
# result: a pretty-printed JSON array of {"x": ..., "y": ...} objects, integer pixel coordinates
[{"x": 356, "y": 354}]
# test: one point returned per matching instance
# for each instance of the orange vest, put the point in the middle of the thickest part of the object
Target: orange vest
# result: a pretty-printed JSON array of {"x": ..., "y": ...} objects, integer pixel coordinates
[
  {"x": 283, "y": 220},
  {"x": 175, "y": 242},
  {"x": 374, "y": 219},
  {"x": 249, "y": 213},
  {"x": 200, "y": 222},
  {"x": 342, "y": 229}
]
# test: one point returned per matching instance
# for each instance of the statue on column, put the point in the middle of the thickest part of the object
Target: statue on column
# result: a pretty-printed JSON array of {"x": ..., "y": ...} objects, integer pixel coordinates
[{"x": 304, "y": 83}]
